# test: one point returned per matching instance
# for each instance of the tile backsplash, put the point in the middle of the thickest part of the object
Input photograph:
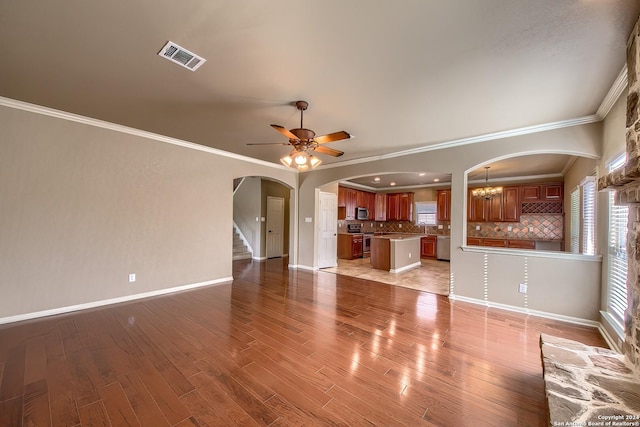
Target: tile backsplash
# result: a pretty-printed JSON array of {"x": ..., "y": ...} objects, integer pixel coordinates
[
  {"x": 543, "y": 227},
  {"x": 395, "y": 227}
]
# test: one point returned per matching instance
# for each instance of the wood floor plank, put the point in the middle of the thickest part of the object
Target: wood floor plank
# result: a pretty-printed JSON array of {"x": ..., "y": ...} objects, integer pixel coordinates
[
  {"x": 144, "y": 406},
  {"x": 11, "y": 412},
  {"x": 211, "y": 405},
  {"x": 163, "y": 395},
  {"x": 13, "y": 374},
  {"x": 117, "y": 405},
  {"x": 62, "y": 383},
  {"x": 279, "y": 348},
  {"x": 36, "y": 411},
  {"x": 94, "y": 415},
  {"x": 248, "y": 401}
]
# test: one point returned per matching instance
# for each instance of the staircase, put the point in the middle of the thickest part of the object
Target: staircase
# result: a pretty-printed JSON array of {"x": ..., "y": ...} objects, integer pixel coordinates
[{"x": 240, "y": 250}]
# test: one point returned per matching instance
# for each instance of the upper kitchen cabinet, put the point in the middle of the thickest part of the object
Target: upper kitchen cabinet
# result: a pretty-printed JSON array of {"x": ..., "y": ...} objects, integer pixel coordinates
[
  {"x": 511, "y": 204},
  {"x": 550, "y": 192},
  {"x": 444, "y": 205},
  {"x": 400, "y": 206},
  {"x": 347, "y": 202},
  {"x": 381, "y": 207}
]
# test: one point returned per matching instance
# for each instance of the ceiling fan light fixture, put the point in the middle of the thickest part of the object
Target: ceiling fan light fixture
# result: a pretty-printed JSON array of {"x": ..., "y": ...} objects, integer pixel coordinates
[
  {"x": 287, "y": 161},
  {"x": 300, "y": 158},
  {"x": 314, "y": 161}
]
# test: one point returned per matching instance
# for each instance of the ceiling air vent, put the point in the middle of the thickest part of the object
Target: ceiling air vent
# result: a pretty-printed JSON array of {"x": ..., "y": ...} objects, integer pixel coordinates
[{"x": 181, "y": 56}]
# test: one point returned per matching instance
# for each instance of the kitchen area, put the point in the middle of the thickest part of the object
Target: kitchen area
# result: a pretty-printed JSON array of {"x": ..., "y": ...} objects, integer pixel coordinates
[{"x": 391, "y": 232}]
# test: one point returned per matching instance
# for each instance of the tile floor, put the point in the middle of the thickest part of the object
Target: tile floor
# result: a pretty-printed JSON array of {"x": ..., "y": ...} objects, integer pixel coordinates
[{"x": 432, "y": 276}]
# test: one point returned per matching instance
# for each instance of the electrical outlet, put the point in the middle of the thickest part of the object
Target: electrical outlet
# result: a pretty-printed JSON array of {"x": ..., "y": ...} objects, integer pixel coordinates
[
  {"x": 399, "y": 225},
  {"x": 523, "y": 288},
  {"x": 439, "y": 226},
  {"x": 381, "y": 224},
  {"x": 409, "y": 254},
  {"x": 509, "y": 228},
  {"x": 530, "y": 229},
  {"x": 477, "y": 228},
  {"x": 132, "y": 277},
  {"x": 307, "y": 219},
  {"x": 448, "y": 226}
]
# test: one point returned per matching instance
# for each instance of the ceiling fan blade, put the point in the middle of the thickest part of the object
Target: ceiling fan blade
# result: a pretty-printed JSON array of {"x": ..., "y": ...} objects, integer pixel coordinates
[
  {"x": 329, "y": 151},
  {"x": 268, "y": 143},
  {"x": 331, "y": 137},
  {"x": 284, "y": 131}
]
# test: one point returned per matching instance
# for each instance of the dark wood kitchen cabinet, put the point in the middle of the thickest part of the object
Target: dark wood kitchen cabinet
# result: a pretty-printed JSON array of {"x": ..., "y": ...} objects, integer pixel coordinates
[
  {"x": 381, "y": 207},
  {"x": 349, "y": 246},
  {"x": 549, "y": 192},
  {"x": 511, "y": 204},
  {"x": 428, "y": 247},
  {"x": 400, "y": 206},
  {"x": 476, "y": 209},
  {"x": 444, "y": 205}
]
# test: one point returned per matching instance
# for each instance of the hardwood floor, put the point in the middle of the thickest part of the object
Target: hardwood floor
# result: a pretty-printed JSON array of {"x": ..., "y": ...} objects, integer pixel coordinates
[{"x": 279, "y": 348}]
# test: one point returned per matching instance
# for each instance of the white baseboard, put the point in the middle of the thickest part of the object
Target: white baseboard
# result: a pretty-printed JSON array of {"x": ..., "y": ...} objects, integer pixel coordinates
[
  {"x": 94, "y": 304},
  {"x": 522, "y": 310},
  {"x": 405, "y": 268},
  {"x": 303, "y": 267}
]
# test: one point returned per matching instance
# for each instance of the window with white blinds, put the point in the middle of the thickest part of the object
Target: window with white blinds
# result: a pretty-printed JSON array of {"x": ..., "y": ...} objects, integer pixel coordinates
[
  {"x": 589, "y": 215},
  {"x": 426, "y": 213},
  {"x": 575, "y": 221},
  {"x": 617, "y": 289}
]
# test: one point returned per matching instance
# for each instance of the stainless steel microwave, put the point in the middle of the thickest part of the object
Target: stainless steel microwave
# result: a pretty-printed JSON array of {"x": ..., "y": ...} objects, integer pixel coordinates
[{"x": 362, "y": 213}]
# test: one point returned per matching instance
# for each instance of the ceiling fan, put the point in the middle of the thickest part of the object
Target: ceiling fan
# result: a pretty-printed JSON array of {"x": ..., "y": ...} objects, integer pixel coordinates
[{"x": 305, "y": 141}]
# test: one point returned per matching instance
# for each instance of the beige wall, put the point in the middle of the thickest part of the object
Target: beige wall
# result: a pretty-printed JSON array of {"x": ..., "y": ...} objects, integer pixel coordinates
[{"x": 81, "y": 207}]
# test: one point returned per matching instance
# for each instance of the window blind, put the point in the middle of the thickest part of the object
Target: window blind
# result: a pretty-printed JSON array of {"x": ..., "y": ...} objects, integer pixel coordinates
[
  {"x": 426, "y": 213},
  {"x": 617, "y": 289},
  {"x": 575, "y": 221},
  {"x": 589, "y": 216}
]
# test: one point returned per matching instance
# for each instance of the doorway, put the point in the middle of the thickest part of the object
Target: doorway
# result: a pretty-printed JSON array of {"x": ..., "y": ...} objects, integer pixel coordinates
[
  {"x": 328, "y": 230},
  {"x": 275, "y": 227}
]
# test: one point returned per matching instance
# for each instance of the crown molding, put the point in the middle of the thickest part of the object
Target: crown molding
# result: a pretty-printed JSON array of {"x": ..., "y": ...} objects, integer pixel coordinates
[
  {"x": 471, "y": 140},
  {"x": 46, "y": 111},
  {"x": 618, "y": 86}
]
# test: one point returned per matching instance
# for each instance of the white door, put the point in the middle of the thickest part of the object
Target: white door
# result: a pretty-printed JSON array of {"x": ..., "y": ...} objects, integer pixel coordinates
[
  {"x": 275, "y": 226},
  {"x": 327, "y": 230}
]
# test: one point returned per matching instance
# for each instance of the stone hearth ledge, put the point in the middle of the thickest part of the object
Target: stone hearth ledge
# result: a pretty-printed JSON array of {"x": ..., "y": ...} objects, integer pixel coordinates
[{"x": 588, "y": 386}]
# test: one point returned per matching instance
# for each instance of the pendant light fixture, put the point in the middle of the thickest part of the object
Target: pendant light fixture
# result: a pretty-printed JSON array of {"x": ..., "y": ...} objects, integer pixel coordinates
[{"x": 486, "y": 192}]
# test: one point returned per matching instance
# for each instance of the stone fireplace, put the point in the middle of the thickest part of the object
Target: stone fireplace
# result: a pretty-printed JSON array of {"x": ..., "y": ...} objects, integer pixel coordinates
[{"x": 626, "y": 184}]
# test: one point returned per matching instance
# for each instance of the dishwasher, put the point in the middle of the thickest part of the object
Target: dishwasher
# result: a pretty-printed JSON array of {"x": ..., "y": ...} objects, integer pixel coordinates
[{"x": 443, "y": 248}]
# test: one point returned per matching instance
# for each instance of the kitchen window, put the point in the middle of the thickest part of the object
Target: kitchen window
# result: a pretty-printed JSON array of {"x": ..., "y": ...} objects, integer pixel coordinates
[{"x": 426, "y": 213}]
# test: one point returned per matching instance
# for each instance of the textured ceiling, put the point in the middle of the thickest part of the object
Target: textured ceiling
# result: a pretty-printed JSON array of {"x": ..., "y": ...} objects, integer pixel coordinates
[{"x": 396, "y": 75}]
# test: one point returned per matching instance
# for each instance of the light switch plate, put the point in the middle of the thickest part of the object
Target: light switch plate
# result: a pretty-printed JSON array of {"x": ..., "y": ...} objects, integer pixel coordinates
[
  {"x": 523, "y": 288},
  {"x": 439, "y": 226},
  {"x": 307, "y": 219}
]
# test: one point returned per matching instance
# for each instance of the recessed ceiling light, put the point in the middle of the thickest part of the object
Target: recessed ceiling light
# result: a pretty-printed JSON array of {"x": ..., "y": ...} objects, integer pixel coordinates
[
  {"x": 436, "y": 180},
  {"x": 421, "y": 174},
  {"x": 376, "y": 179},
  {"x": 392, "y": 184}
]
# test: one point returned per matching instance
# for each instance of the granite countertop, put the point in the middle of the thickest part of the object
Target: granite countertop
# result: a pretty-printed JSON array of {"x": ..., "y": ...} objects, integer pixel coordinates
[{"x": 400, "y": 236}]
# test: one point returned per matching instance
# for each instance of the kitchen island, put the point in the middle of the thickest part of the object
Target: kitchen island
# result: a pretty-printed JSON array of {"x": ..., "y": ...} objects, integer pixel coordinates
[{"x": 395, "y": 252}]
